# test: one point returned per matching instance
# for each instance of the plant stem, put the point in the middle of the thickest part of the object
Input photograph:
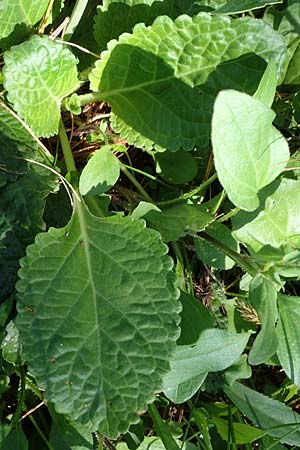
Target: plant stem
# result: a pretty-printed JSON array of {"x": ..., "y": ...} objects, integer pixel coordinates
[
  {"x": 134, "y": 181},
  {"x": 66, "y": 148},
  {"x": 34, "y": 423},
  {"x": 162, "y": 429},
  {"x": 227, "y": 216},
  {"x": 239, "y": 259},
  {"x": 93, "y": 205},
  {"x": 76, "y": 15},
  {"x": 18, "y": 411},
  {"x": 91, "y": 97},
  {"x": 189, "y": 194}
]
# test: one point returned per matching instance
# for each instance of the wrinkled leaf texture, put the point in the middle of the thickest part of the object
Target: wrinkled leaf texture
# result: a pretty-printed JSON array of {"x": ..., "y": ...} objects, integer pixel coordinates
[
  {"x": 98, "y": 317},
  {"x": 154, "y": 79}
]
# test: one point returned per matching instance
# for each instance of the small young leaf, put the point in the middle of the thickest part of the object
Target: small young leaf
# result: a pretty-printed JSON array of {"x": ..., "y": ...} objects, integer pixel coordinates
[
  {"x": 97, "y": 303},
  {"x": 266, "y": 413},
  {"x": 38, "y": 74},
  {"x": 276, "y": 222},
  {"x": 11, "y": 348},
  {"x": 239, "y": 370},
  {"x": 179, "y": 220},
  {"x": 242, "y": 131},
  {"x": 263, "y": 297},
  {"x": 101, "y": 172},
  {"x": 289, "y": 336},
  {"x": 267, "y": 86}
]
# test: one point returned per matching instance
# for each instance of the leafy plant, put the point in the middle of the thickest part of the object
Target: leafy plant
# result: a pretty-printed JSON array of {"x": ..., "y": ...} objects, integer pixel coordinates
[{"x": 150, "y": 250}]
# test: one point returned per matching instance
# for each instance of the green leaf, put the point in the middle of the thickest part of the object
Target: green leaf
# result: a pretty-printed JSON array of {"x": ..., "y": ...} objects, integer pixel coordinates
[
  {"x": 101, "y": 172},
  {"x": 267, "y": 86},
  {"x": 293, "y": 72},
  {"x": 242, "y": 130},
  {"x": 24, "y": 187},
  {"x": 10, "y": 346},
  {"x": 176, "y": 168},
  {"x": 195, "y": 318},
  {"x": 72, "y": 436},
  {"x": 179, "y": 220},
  {"x": 239, "y": 6},
  {"x": 239, "y": 370},
  {"x": 38, "y": 74},
  {"x": 243, "y": 433},
  {"x": 100, "y": 293},
  {"x": 263, "y": 297},
  {"x": 276, "y": 222},
  {"x": 14, "y": 12},
  {"x": 275, "y": 417},
  {"x": 289, "y": 336},
  {"x": 215, "y": 350},
  {"x": 155, "y": 443},
  {"x": 210, "y": 254},
  {"x": 116, "y": 17},
  {"x": 15, "y": 440},
  {"x": 152, "y": 78}
]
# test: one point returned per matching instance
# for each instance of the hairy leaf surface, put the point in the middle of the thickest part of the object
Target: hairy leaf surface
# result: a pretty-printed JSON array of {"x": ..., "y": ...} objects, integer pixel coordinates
[
  {"x": 98, "y": 317},
  {"x": 153, "y": 78},
  {"x": 38, "y": 74},
  {"x": 15, "y": 12},
  {"x": 249, "y": 152}
]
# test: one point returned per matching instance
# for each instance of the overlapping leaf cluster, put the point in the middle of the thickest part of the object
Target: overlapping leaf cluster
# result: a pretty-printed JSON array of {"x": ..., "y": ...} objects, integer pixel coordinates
[{"x": 105, "y": 314}]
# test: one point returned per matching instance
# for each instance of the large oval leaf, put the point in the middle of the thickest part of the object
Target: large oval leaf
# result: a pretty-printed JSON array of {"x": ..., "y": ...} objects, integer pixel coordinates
[
  {"x": 98, "y": 318},
  {"x": 38, "y": 74},
  {"x": 150, "y": 77},
  {"x": 249, "y": 152}
]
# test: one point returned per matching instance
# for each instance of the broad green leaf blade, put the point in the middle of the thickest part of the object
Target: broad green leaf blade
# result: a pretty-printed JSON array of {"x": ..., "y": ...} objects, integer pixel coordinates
[
  {"x": 38, "y": 74},
  {"x": 243, "y": 433},
  {"x": 293, "y": 72},
  {"x": 177, "y": 168},
  {"x": 155, "y": 443},
  {"x": 242, "y": 131},
  {"x": 195, "y": 318},
  {"x": 215, "y": 350},
  {"x": 276, "y": 222},
  {"x": 116, "y": 17},
  {"x": 10, "y": 346},
  {"x": 100, "y": 293},
  {"x": 16, "y": 440},
  {"x": 267, "y": 86},
  {"x": 266, "y": 413},
  {"x": 24, "y": 187},
  {"x": 101, "y": 172},
  {"x": 152, "y": 77},
  {"x": 289, "y": 336},
  {"x": 239, "y": 6},
  {"x": 13, "y": 12},
  {"x": 179, "y": 220},
  {"x": 263, "y": 297},
  {"x": 210, "y": 254},
  {"x": 69, "y": 435}
]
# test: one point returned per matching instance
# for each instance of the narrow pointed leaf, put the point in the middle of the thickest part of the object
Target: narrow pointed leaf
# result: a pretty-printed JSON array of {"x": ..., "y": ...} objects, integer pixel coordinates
[
  {"x": 239, "y": 6},
  {"x": 289, "y": 336},
  {"x": 267, "y": 86},
  {"x": 152, "y": 77},
  {"x": 38, "y": 74},
  {"x": 263, "y": 297},
  {"x": 98, "y": 318},
  {"x": 266, "y": 413},
  {"x": 242, "y": 131}
]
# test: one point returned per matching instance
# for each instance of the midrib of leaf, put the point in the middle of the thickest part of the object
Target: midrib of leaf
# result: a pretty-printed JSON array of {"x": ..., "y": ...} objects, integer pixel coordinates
[{"x": 86, "y": 245}]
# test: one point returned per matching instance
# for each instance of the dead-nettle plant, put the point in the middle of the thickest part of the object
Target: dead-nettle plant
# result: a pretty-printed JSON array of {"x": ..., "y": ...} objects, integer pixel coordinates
[{"x": 98, "y": 298}]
